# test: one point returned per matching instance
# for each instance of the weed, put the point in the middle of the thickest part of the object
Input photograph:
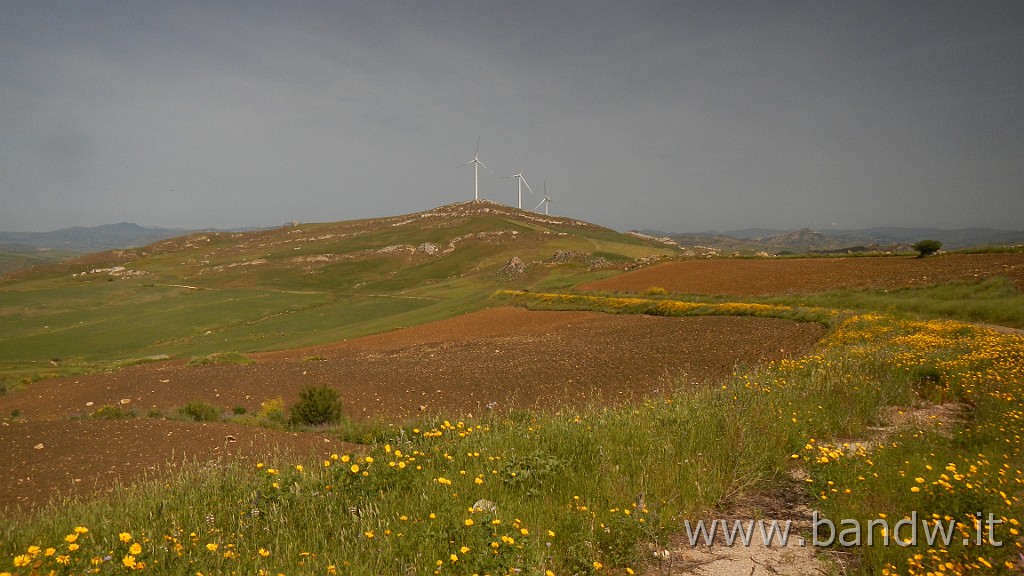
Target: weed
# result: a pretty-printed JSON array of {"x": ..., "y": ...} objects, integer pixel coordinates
[
  {"x": 113, "y": 412},
  {"x": 221, "y": 358},
  {"x": 200, "y": 412},
  {"x": 273, "y": 410},
  {"x": 317, "y": 406},
  {"x": 138, "y": 361}
]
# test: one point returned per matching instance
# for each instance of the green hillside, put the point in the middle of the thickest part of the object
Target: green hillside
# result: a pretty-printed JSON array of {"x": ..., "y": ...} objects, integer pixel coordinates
[{"x": 292, "y": 286}]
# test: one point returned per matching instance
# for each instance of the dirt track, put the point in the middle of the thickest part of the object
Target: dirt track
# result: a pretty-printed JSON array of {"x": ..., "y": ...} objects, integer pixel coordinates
[
  {"x": 496, "y": 359},
  {"x": 749, "y": 277}
]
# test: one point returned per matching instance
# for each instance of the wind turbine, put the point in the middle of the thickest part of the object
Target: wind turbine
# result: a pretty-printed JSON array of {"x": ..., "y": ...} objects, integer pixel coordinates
[
  {"x": 547, "y": 200},
  {"x": 476, "y": 170},
  {"x": 521, "y": 182}
]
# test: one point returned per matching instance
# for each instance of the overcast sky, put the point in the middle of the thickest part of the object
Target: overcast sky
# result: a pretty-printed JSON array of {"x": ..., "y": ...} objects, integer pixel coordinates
[{"x": 680, "y": 116}]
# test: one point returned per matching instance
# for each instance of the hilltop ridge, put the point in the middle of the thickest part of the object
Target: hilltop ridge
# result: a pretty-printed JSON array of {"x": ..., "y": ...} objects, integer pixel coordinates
[{"x": 301, "y": 284}]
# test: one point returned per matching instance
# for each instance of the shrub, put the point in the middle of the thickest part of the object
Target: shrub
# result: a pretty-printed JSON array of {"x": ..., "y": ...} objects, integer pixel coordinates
[
  {"x": 238, "y": 410},
  {"x": 273, "y": 410},
  {"x": 200, "y": 412},
  {"x": 221, "y": 358},
  {"x": 926, "y": 247},
  {"x": 112, "y": 413},
  {"x": 317, "y": 406},
  {"x": 656, "y": 291}
]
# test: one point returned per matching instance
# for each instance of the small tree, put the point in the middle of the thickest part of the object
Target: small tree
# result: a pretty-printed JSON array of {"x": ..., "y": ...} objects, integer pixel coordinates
[
  {"x": 317, "y": 406},
  {"x": 926, "y": 247}
]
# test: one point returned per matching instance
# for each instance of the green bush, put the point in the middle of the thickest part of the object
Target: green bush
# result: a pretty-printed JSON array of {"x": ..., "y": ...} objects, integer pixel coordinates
[
  {"x": 926, "y": 247},
  {"x": 200, "y": 412},
  {"x": 112, "y": 413},
  {"x": 317, "y": 406}
]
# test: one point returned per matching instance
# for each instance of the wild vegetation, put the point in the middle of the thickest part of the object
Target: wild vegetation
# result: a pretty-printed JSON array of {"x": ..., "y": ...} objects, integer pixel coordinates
[
  {"x": 599, "y": 489},
  {"x": 585, "y": 492}
]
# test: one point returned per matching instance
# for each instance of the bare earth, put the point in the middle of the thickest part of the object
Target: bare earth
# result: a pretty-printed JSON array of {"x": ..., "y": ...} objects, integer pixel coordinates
[
  {"x": 496, "y": 359},
  {"x": 749, "y": 277},
  {"x": 82, "y": 457}
]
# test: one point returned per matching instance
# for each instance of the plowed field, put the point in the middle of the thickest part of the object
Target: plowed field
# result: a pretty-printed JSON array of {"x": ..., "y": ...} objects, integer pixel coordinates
[
  {"x": 496, "y": 359},
  {"x": 749, "y": 277}
]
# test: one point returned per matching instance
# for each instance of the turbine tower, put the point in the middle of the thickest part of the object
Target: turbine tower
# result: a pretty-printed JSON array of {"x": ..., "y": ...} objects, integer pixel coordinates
[
  {"x": 547, "y": 200},
  {"x": 522, "y": 181},
  {"x": 476, "y": 170}
]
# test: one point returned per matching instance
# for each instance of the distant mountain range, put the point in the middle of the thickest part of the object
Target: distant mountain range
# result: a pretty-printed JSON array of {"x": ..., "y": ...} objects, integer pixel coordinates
[
  {"x": 839, "y": 240},
  {"x": 86, "y": 239}
]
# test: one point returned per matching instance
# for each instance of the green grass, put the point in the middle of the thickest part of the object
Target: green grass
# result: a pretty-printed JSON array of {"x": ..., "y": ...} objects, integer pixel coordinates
[
  {"x": 280, "y": 303},
  {"x": 577, "y": 491},
  {"x": 992, "y": 301},
  {"x": 11, "y": 261}
]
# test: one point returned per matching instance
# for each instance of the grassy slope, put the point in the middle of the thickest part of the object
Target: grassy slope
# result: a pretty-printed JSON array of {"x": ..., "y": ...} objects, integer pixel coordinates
[
  {"x": 11, "y": 261},
  {"x": 266, "y": 290},
  {"x": 563, "y": 483}
]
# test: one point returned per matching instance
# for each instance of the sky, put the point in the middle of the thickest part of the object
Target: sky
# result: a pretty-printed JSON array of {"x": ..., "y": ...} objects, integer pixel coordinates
[{"x": 680, "y": 116}]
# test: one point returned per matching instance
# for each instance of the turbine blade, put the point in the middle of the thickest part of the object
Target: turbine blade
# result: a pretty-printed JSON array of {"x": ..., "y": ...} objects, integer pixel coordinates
[
  {"x": 537, "y": 207},
  {"x": 527, "y": 183},
  {"x": 482, "y": 164}
]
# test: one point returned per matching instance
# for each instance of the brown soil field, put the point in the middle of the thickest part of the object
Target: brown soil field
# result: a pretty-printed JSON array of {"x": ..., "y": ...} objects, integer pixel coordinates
[
  {"x": 497, "y": 359},
  {"x": 69, "y": 458},
  {"x": 749, "y": 277}
]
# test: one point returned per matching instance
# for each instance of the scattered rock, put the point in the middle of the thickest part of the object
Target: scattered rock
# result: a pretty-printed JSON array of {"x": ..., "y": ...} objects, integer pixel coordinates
[
  {"x": 566, "y": 255},
  {"x": 483, "y": 505},
  {"x": 514, "y": 267}
]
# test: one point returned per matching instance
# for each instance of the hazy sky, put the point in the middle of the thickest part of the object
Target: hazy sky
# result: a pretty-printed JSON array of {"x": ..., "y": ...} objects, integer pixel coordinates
[{"x": 679, "y": 116}]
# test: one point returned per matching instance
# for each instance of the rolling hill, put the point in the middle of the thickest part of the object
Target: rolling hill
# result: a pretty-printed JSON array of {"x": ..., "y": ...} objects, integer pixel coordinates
[{"x": 296, "y": 285}]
